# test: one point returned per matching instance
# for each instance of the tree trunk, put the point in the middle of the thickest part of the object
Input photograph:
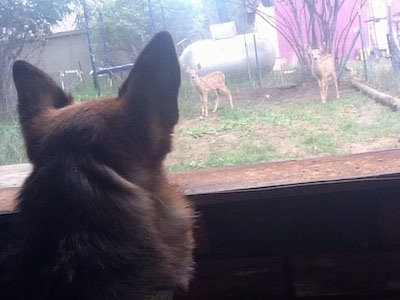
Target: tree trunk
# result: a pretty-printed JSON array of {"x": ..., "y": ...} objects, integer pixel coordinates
[
  {"x": 7, "y": 90},
  {"x": 392, "y": 102}
]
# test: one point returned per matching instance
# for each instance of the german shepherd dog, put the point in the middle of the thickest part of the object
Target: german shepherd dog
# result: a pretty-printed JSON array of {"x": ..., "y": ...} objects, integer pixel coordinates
[{"x": 97, "y": 217}]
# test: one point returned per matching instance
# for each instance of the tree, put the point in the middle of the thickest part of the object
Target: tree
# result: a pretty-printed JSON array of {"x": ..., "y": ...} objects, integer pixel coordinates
[
  {"x": 22, "y": 22},
  {"x": 313, "y": 23},
  {"x": 219, "y": 11},
  {"x": 126, "y": 24},
  {"x": 129, "y": 24}
]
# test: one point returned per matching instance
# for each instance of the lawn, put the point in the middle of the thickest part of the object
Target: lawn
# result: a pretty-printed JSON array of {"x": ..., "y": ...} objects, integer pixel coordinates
[
  {"x": 279, "y": 128},
  {"x": 265, "y": 125}
]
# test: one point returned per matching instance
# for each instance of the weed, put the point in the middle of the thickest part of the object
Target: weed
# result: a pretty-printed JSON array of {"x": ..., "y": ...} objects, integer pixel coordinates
[
  {"x": 257, "y": 132},
  {"x": 242, "y": 153},
  {"x": 198, "y": 132},
  {"x": 320, "y": 142},
  {"x": 12, "y": 149},
  {"x": 379, "y": 74},
  {"x": 86, "y": 91}
]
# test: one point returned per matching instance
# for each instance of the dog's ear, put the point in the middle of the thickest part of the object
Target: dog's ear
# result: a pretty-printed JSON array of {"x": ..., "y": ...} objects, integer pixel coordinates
[
  {"x": 36, "y": 91},
  {"x": 151, "y": 91}
]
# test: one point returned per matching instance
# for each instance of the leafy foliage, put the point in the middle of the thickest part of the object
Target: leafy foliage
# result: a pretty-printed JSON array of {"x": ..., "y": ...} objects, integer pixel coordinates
[
  {"x": 23, "y": 21},
  {"x": 233, "y": 11},
  {"x": 129, "y": 25}
]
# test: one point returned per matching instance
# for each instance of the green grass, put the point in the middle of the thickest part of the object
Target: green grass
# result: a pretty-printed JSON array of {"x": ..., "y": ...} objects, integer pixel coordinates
[
  {"x": 199, "y": 131},
  {"x": 11, "y": 146},
  {"x": 289, "y": 129},
  {"x": 12, "y": 150},
  {"x": 379, "y": 73},
  {"x": 254, "y": 132},
  {"x": 241, "y": 153},
  {"x": 86, "y": 91},
  {"x": 189, "y": 101}
]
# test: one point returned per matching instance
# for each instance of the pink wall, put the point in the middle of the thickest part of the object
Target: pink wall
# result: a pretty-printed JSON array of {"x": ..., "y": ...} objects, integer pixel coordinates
[{"x": 289, "y": 56}]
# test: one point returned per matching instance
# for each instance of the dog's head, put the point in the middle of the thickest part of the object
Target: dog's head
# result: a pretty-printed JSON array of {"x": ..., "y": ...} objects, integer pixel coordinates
[{"x": 129, "y": 133}]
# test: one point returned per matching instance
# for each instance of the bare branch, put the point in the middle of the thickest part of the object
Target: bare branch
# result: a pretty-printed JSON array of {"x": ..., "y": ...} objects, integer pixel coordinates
[{"x": 314, "y": 23}]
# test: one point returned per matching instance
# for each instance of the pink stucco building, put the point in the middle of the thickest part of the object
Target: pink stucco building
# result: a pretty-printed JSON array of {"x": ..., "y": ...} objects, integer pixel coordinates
[{"x": 374, "y": 28}]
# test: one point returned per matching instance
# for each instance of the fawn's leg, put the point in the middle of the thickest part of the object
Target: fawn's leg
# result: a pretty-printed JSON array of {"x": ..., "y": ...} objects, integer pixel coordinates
[
  {"x": 321, "y": 90},
  {"x": 336, "y": 86},
  {"x": 204, "y": 103},
  {"x": 202, "y": 106},
  {"x": 218, "y": 93},
  {"x": 325, "y": 84},
  {"x": 228, "y": 92},
  {"x": 230, "y": 98}
]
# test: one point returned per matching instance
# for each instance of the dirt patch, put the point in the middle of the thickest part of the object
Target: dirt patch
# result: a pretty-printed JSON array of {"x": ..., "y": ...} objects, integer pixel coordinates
[
  {"x": 290, "y": 91},
  {"x": 283, "y": 123}
]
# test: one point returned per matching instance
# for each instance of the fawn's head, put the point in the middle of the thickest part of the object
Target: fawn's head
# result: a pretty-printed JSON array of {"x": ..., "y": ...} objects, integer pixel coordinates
[
  {"x": 315, "y": 54},
  {"x": 130, "y": 133},
  {"x": 194, "y": 73}
]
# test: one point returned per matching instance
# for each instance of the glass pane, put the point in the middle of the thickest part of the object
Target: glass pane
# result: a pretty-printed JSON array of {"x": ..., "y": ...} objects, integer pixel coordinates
[{"x": 261, "y": 58}]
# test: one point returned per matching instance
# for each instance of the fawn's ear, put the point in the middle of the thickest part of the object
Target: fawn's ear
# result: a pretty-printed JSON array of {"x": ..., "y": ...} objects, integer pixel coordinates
[
  {"x": 36, "y": 92},
  {"x": 151, "y": 91}
]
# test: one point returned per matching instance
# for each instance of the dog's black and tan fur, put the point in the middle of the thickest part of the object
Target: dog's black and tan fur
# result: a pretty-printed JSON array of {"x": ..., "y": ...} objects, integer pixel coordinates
[{"x": 97, "y": 218}]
